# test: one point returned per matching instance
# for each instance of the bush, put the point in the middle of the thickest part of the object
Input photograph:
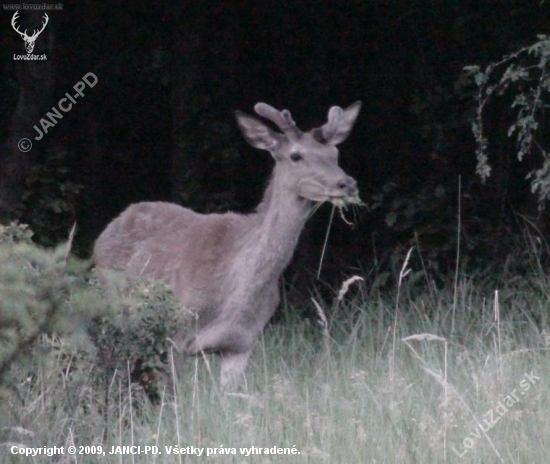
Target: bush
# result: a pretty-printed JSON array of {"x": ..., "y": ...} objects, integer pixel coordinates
[
  {"x": 523, "y": 74},
  {"x": 57, "y": 320},
  {"x": 136, "y": 335},
  {"x": 50, "y": 199}
]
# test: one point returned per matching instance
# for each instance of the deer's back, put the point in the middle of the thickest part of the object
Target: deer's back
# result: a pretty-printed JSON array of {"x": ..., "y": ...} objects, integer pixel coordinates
[{"x": 191, "y": 252}]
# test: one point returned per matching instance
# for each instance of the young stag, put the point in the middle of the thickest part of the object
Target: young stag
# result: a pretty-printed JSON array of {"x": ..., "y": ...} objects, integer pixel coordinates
[{"x": 226, "y": 267}]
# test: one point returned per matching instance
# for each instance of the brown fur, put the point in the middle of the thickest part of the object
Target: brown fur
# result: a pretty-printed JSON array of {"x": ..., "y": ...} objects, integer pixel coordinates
[{"x": 226, "y": 267}]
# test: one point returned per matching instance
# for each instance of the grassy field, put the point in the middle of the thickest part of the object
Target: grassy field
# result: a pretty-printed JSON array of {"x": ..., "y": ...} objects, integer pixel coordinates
[{"x": 413, "y": 375}]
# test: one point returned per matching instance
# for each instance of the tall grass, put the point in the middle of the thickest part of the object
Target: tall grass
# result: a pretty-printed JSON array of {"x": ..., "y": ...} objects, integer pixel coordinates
[{"x": 383, "y": 379}]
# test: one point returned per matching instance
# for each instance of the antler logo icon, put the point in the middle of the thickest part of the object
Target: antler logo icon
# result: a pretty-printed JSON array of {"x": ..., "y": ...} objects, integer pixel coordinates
[{"x": 29, "y": 40}]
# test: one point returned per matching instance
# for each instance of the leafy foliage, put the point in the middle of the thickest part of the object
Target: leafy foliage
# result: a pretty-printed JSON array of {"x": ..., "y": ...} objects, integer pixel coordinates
[
  {"x": 426, "y": 219},
  {"x": 526, "y": 75},
  {"x": 52, "y": 308},
  {"x": 50, "y": 199},
  {"x": 36, "y": 287},
  {"x": 14, "y": 232},
  {"x": 138, "y": 331}
]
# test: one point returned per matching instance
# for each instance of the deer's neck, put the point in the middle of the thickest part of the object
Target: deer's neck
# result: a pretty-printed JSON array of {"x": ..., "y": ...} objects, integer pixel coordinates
[
  {"x": 282, "y": 214},
  {"x": 279, "y": 219}
]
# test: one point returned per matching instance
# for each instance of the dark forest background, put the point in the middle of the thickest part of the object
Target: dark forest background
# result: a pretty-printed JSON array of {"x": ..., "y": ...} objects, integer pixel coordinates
[{"x": 159, "y": 124}]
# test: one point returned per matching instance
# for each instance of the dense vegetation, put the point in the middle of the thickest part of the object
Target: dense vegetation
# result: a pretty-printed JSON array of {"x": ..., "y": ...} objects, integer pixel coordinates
[
  {"x": 159, "y": 123},
  {"x": 447, "y": 328},
  {"x": 415, "y": 374}
]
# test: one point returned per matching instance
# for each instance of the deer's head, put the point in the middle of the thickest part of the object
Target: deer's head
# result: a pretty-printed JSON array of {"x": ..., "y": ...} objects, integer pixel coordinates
[
  {"x": 29, "y": 40},
  {"x": 307, "y": 162}
]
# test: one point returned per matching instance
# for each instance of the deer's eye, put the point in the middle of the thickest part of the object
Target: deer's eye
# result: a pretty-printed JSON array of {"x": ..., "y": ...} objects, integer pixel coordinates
[{"x": 296, "y": 157}]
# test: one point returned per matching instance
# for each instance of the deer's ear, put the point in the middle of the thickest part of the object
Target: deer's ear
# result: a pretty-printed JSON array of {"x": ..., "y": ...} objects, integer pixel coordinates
[
  {"x": 340, "y": 123},
  {"x": 257, "y": 133}
]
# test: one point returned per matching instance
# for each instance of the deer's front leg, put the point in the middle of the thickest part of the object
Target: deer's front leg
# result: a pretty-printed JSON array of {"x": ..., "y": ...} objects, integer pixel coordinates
[{"x": 233, "y": 366}]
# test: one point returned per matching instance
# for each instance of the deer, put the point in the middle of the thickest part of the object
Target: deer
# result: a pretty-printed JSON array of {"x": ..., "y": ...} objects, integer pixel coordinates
[
  {"x": 29, "y": 39},
  {"x": 226, "y": 267}
]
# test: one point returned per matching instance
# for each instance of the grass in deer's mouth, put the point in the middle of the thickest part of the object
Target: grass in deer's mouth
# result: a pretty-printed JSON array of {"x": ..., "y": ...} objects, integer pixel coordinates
[{"x": 342, "y": 202}]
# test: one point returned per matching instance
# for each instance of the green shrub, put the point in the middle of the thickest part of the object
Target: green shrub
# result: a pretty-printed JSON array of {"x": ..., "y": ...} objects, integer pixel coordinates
[
  {"x": 50, "y": 199},
  {"x": 136, "y": 334},
  {"x": 522, "y": 74},
  {"x": 57, "y": 319}
]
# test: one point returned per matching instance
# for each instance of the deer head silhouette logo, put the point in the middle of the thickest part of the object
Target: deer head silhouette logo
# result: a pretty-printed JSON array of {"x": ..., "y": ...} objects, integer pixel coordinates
[{"x": 29, "y": 40}]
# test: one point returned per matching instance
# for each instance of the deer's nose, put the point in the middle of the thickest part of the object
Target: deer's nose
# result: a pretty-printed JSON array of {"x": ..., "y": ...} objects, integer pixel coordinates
[{"x": 349, "y": 185}]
